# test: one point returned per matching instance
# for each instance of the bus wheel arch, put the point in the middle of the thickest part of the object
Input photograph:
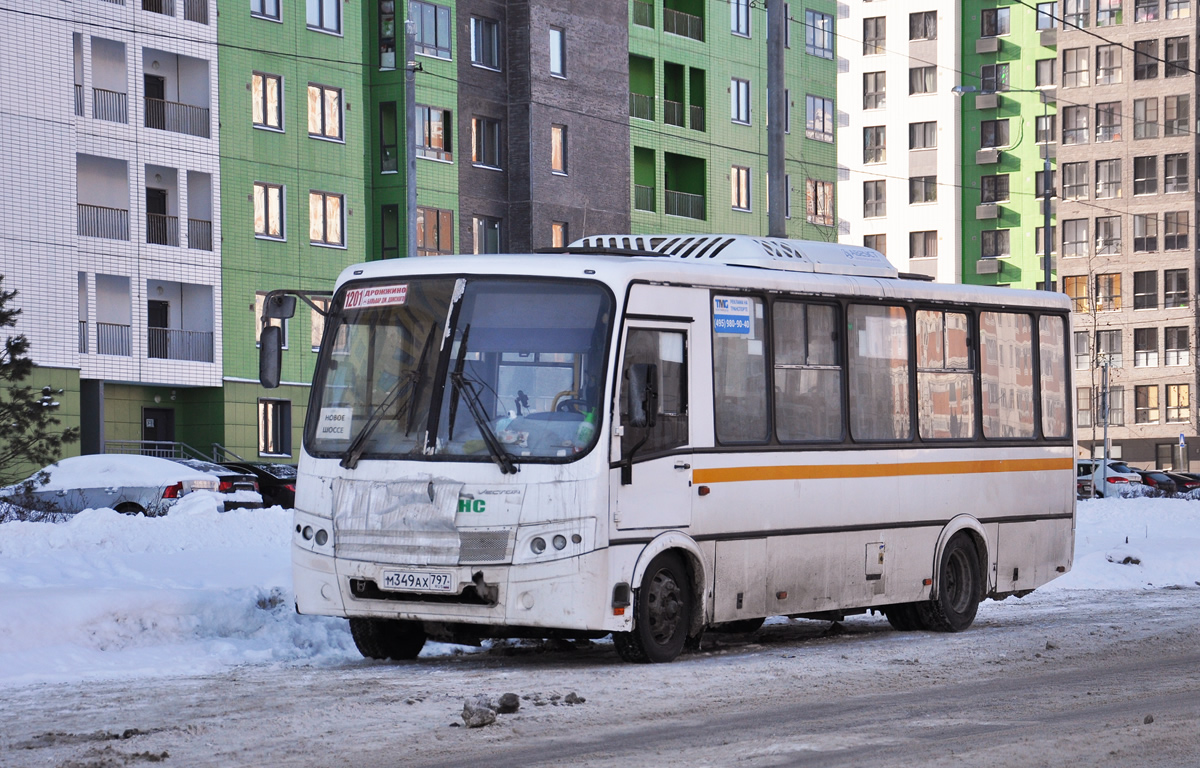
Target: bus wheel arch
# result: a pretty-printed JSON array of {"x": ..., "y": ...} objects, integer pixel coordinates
[
  {"x": 960, "y": 583},
  {"x": 971, "y": 528},
  {"x": 693, "y": 559}
]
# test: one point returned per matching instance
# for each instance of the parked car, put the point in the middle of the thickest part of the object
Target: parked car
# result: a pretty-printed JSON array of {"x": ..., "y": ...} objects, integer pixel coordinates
[
  {"x": 1158, "y": 481},
  {"x": 1111, "y": 478},
  {"x": 276, "y": 482},
  {"x": 129, "y": 483},
  {"x": 1185, "y": 482},
  {"x": 239, "y": 489}
]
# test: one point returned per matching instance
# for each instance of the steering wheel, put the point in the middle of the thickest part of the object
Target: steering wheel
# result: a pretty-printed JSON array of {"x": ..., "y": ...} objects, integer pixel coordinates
[
  {"x": 571, "y": 405},
  {"x": 567, "y": 393}
]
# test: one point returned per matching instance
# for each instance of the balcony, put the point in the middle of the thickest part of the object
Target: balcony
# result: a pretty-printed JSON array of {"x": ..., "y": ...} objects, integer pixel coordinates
[
  {"x": 683, "y": 24},
  {"x": 641, "y": 106},
  {"x": 177, "y": 344},
  {"x": 697, "y": 117},
  {"x": 643, "y": 198},
  {"x": 199, "y": 234},
  {"x": 113, "y": 339},
  {"x": 83, "y": 339},
  {"x": 165, "y": 7},
  {"x": 673, "y": 112},
  {"x": 110, "y": 106},
  {"x": 195, "y": 10},
  {"x": 98, "y": 221},
  {"x": 643, "y": 14},
  {"x": 162, "y": 229},
  {"x": 177, "y": 118},
  {"x": 685, "y": 204},
  {"x": 79, "y": 100}
]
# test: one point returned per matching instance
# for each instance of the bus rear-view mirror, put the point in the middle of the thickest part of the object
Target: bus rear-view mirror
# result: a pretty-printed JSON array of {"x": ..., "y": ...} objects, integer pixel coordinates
[{"x": 270, "y": 356}]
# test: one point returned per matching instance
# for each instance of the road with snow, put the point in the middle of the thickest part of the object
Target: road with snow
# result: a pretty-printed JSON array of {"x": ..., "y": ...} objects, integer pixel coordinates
[{"x": 172, "y": 641}]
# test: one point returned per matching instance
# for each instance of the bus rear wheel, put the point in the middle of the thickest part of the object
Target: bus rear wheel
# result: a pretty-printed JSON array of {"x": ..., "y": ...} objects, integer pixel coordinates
[
  {"x": 959, "y": 588},
  {"x": 387, "y": 638},
  {"x": 662, "y": 613}
]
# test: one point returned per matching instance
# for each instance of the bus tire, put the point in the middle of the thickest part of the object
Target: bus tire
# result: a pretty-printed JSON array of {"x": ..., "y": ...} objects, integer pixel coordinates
[
  {"x": 903, "y": 617},
  {"x": 662, "y": 613},
  {"x": 959, "y": 588},
  {"x": 387, "y": 638}
]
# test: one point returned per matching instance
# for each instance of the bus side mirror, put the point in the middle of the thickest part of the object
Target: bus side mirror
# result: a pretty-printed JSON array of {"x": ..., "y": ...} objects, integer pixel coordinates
[
  {"x": 270, "y": 356},
  {"x": 643, "y": 395},
  {"x": 279, "y": 306}
]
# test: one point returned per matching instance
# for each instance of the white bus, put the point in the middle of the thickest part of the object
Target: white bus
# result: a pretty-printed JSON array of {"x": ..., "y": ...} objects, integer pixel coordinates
[{"x": 653, "y": 436}]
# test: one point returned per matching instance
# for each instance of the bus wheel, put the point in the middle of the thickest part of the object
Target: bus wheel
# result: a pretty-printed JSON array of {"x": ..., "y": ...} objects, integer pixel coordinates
[
  {"x": 959, "y": 587},
  {"x": 903, "y": 617},
  {"x": 662, "y": 613},
  {"x": 388, "y": 638}
]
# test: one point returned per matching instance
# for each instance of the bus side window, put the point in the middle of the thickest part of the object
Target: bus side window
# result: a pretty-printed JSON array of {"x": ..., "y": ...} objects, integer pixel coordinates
[
  {"x": 945, "y": 376},
  {"x": 1052, "y": 339},
  {"x": 739, "y": 370},
  {"x": 667, "y": 350},
  {"x": 1006, "y": 364},
  {"x": 808, "y": 372},
  {"x": 879, "y": 365}
]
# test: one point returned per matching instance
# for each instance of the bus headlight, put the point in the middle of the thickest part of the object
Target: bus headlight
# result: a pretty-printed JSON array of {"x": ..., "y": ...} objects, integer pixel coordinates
[
  {"x": 560, "y": 541},
  {"x": 538, "y": 545}
]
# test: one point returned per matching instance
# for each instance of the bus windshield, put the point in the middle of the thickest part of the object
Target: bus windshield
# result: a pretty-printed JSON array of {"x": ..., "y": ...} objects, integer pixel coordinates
[{"x": 477, "y": 369}]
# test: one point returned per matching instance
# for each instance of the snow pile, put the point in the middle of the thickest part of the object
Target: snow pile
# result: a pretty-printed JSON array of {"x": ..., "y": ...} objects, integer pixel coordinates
[{"x": 109, "y": 595}]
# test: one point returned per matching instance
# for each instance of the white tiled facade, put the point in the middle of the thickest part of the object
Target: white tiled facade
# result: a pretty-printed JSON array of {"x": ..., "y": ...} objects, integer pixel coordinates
[
  {"x": 895, "y": 57},
  {"x": 64, "y": 58}
]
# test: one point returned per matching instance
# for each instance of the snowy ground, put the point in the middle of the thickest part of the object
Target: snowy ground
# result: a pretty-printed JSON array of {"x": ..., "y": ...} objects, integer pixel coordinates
[{"x": 108, "y": 596}]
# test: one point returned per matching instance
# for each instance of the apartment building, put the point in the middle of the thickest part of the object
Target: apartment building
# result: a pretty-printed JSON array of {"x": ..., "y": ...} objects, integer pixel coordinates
[{"x": 1127, "y": 169}]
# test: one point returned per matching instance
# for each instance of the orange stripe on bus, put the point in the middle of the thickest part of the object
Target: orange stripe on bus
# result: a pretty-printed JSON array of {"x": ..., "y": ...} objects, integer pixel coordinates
[{"x": 830, "y": 471}]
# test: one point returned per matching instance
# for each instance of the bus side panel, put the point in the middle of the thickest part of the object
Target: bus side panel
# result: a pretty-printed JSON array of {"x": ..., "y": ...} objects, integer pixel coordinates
[
  {"x": 741, "y": 573},
  {"x": 1029, "y": 554}
]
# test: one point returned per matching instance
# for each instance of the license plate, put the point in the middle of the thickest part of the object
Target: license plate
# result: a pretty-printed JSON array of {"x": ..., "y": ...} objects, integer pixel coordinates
[{"x": 413, "y": 581}]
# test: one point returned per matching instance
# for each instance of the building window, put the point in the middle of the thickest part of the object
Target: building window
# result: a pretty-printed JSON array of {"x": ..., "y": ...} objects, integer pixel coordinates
[
  {"x": 1145, "y": 59},
  {"x": 922, "y": 80},
  {"x": 485, "y": 142},
  {"x": 1175, "y": 288},
  {"x": 324, "y": 112},
  {"x": 1175, "y": 122},
  {"x": 1177, "y": 57},
  {"x": 389, "y": 138},
  {"x": 1075, "y": 238},
  {"x": 433, "y": 28},
  {"x": 433, "y": 133},
  {"x": 994, "y": 22},
  {"x": 1145, "y": 10},
  {"x": 1145, "y": 175},
  {"x": 1179, "y": 9},
  {"x": 1108, "y": 179},
  {"x": 1116, "y": 406},
  {"x": 485, "y": 43},
  {"x": 1179, "y": 403},
  {"x": 1083, "y": 406},
  {"x": 265, "y": 9},
  {"x": 818, "y": 34},
  {"x": 874, "y": 90},
  {"x": 1075, "y": 68},
  {"x": 1145, "y": 404},
  {"x": 268, "y": 210},
  {"x": 1145, "y": 232},
  {"x": 874, "y": 144},
  {"x": 558, "y": 149},
  {"x": 922, "y": 135},
  {"x": 1108, "y": 64},
  {"x": 922, "y": 189},
  {"x": 1076, "y": 288},
  {"x": 266, "y": 101},
  {"x": 740, "y": 177},
  {"x": 435, "y": 231},
  {"x": 819, "y": 119},
  {"x": 389, "y": 232},
  {"x": 819, "y": 202},
  {"x": 486, "y": 230},
  {"x": 993, "y": 133},
  {"x": 1175, "y": 230},
  {"x": 274, "y": 427},
  {"x": 1145, "y": 119},
  {"x": 739, "y": 21},
  {"x": 1108, "y": 292},
  {"x": 922, "y": 25},
  {"x": 1045, "y": 129},
  {"x": 874, "y": 35},
  {"x": 325, "y": 219},
  {"x": 923, "y": 245},
  {"x": 1108, "y": 13},
  {"x": 1044, "y": 73},
  {"x": 558, "y": 52},
  {"x": 558, "y": 234},
  {"x": 325, "y": 15},
  {"x": 876, "y": 242},
  {"x": 1175, "y": 173},
  {"x": 1076, "y": 13},
  {"x": 1108, "y": 122},
  {"x": 994, "y": 77},
  {"x": 1108, "y": 344},
  {"x": 1145, "y": 347},
  {"x": 1047, "y": 15},
  {"x": 1175, "y": 347},
  {"x": 739, "y": 90},
  {"x": 994, "y": 244},
  {"x": 1039, "y": 236},
  {"x": 1075, "y": 125},
  {"x": 1075, "y": 181},
  {"x": 1083, "y": 351},
  {"x": 874, "y": 199},
  {"x": 993, "y": 189}
]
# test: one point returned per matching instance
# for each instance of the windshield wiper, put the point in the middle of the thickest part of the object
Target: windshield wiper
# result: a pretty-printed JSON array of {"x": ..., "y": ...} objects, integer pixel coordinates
[
  {"x": 401, "y": 390},
  {"x": 467, "y": 387}
]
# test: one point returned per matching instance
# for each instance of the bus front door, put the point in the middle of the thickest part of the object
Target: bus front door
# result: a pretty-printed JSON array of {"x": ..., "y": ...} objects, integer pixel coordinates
[{"x": 651, "y": 478}]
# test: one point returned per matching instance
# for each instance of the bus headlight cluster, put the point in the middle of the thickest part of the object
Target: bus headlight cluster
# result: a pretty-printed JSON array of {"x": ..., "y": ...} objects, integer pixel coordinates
[
  {"x": 563, "y": 540},
  {"x": 318, "y": 535},
  {"x": 538, "y": 545}
]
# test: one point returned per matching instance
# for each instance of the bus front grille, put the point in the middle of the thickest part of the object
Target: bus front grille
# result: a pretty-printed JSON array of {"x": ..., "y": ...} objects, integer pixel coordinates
[{"x": 485, "y": 546}]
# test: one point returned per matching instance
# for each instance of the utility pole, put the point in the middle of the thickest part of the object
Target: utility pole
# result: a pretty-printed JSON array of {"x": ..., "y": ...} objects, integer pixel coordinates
[
  {"x": 776, "y": 114},
  {"x": 410, "y": 134}
]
